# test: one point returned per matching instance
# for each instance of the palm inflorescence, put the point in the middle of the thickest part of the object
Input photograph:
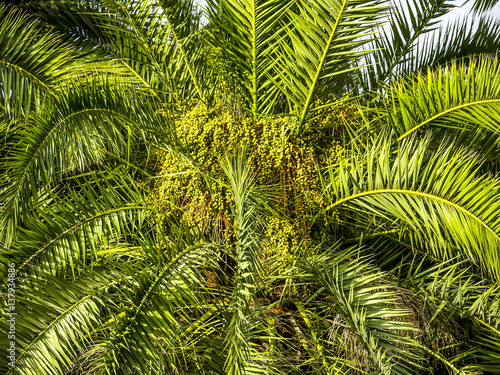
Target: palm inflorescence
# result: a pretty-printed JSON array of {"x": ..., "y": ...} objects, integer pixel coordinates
[{"x": 249, "y": 186}]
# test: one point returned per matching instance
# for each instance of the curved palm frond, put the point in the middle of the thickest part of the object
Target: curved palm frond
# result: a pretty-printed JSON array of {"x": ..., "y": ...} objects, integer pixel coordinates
[
  {"x": 160, "y": 45},
  {"x": 367, "y": 304},
  {"x": 459, "y": 39},
  {"x": 146, "y": 333},
  {"x": 481, "y": 6},
  {"x": 460, "y": 95},
  {"x": 78, "y": 222},
  {"x": 186, "y": 23},
  {"x": 45, "y": 309},
  {"x": 438, "y": 202},
  {"x": 321, "y": 42},
  {"x": 385, "y": 261},
  {"x": 88, "y": 124},
  {"x": 459, "y": 292},
  {"x": 33, "y": 62}
]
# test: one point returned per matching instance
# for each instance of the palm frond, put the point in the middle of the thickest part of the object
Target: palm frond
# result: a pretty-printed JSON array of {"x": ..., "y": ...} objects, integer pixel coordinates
[
  {"x": 160, "y": 47},
  {"x": 185, "y": 20},
  {"x": 322, "y": 40},
  {"x": 458, "y": 292},
  {"x": 33, "y": 62},
  {"x": 242, "y": 34},
  {"x": 391, "y": 265},
  {"x": 439, "y": 202},
  {"x": 459, "y": 39},
  {"x": 146, "y": 333},
  {"x": 481, "y": 6},
  {"x": 460, "y": 95},
  {"x": 349, "y": 287},
  {"x": 45, "y": 309},
  {"x": 408, "y": 21},
  {"x": 241, "y": 353},
  {"x": 66, "y": 233},
  {"x": 87, "y": 123}
]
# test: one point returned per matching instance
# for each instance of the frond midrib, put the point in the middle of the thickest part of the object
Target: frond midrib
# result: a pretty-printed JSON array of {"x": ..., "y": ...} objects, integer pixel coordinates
[
  {"x": 321, "y": 63},
  {"x": 76, "y": 226},
  {"x": 447, "y": 111}
]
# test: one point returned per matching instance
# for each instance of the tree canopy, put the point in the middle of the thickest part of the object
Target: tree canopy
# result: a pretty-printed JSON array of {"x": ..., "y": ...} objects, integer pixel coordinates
[{"x": 249, "y": 186}]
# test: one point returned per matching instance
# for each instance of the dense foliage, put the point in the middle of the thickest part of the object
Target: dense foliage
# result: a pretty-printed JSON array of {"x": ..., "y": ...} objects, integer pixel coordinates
[{"x": 279, "y": 187}]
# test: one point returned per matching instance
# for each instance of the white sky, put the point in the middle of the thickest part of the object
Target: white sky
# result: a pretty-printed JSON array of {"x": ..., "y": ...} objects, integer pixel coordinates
[{"x": 464, "y": 11}]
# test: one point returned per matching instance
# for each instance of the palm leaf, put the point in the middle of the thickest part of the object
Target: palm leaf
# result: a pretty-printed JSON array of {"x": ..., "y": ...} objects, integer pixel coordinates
[
  {"x": 408, "y": 22},
  {"x": 458, "y": 39},
  {"x": 440, "y": 203},
  {"x": 65, "y": 235},
  {"x": 367, "y": 304},
  {"x": 87, "y": 123},
  {"x": 242, "y": 34},
  {"x": 461, "y": 95},
  {"x": 160, "y": 47},
  {"x": 45, "y": 310},
  {"x": 146, "y": 333},
  {"x": 322, "y": 40},
  {"x": 459, "y": 292},
  {"x": 242, "y": 355},
  {"x": 33, "y": 62},
  {"x": 481, "y": 6}
]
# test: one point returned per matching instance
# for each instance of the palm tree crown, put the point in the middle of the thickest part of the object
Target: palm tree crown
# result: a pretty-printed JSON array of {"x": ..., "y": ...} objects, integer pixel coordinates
[{"x": 279, "y": 187}]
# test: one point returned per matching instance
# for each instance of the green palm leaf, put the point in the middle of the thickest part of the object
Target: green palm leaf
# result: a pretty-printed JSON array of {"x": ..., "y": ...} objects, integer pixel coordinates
[
  {"x": 461, "y": 95},
  {"x": 243, "y": 34},
  {"x": 161, "y": 303},
  {"x": 367, "y": 304},
  {"x": 53, "y": 322},
  {"x": 66, "y": 234},
  {"x": 457, "y": 292},
  {"x": 160, "y": 46},
  {"x": 385, "y": 261},
  {"x": 459, "y": 39},
  {"x": 86, "y": 123},
  {"x": 439, "y": 203},
  {"x": 480, "y": 6},
  {"x": 408, "y": 21},
  {"x": 33, "y": 62},
  {"x": 322, "y": 40}
]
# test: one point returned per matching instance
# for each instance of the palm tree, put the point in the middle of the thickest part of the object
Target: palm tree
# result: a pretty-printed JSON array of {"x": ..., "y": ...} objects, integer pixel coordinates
[{"x": 252, "y": 187}]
